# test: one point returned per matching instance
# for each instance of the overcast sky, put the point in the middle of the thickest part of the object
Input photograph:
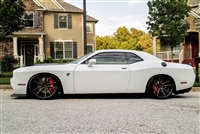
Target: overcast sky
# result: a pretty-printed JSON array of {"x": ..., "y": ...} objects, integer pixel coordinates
[{"x": 113, "y": 14}]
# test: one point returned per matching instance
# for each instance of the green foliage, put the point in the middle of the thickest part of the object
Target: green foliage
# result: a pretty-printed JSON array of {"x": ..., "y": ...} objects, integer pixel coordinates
[
  {"x": 123, "y": 38},
  {"x": 49, "y": 60},
  {"x": 60, "y": 61},
  {"x": 11, "y": 12},
  {"x": 166, "y": 20},
  {"x": 7, "y": 62},
  {"x": 4, "y": 80}
]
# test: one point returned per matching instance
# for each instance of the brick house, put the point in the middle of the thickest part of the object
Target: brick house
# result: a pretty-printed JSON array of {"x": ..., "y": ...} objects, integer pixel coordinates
[
  {"x": 55, "y": 29},
  {"x": 186, "y": 53}
]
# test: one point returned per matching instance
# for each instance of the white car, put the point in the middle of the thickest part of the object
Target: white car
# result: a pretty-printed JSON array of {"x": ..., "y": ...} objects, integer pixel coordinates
[{"x": 105, "y": 71}]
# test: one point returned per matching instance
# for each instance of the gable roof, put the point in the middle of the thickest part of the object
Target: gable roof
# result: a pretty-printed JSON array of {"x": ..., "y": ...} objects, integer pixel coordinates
[
  {"x": 91, "y": 19},
  {"x": 68, "y": 7},
  {"x": 71, "y": 8},
  {"x": 64, "y": 7}
]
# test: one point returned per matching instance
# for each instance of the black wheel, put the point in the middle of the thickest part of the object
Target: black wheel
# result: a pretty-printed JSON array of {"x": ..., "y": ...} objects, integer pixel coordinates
[
  {"x": 43, "y": 86},
  {"x": 161, "y": 86}
]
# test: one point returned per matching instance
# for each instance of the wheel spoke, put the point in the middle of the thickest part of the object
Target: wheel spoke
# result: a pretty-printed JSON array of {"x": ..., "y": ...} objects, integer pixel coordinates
[
  {"x": 38, "y": 82},
  {"x": 45, "y": 92},
  {"x": 162, "y": 91},
  {"x": 37, "y": 88},
  {"x": 49, "y": 92},
  {"x": 166, "y": 82},
  {"x": 40, "y": 90}
]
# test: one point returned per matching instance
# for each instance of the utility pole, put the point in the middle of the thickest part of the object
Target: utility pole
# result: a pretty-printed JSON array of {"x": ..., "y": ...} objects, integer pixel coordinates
[{"x": 84, "y": 27}]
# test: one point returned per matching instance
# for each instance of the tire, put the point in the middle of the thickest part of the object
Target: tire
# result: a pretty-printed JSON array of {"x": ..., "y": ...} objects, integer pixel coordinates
[
  {"x": 44, "y": 86},
  {"x": 161, "y": 86}
]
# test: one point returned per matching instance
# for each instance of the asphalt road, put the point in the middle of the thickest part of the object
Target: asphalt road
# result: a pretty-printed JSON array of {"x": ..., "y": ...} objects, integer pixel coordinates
[{"x": 121, "y": 113}]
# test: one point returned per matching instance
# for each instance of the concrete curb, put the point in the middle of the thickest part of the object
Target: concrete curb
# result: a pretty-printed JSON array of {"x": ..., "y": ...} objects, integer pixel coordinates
[{"x": 194, "y": 89}]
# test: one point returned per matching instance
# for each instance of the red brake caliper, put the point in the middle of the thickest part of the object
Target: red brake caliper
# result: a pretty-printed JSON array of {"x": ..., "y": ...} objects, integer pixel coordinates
[
  {"x": 51, "y": 81},
  {"x": 155, "y": 88}
]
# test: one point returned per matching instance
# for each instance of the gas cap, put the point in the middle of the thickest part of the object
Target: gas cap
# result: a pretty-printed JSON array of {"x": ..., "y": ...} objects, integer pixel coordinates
[{"x": 164, "y": 64}]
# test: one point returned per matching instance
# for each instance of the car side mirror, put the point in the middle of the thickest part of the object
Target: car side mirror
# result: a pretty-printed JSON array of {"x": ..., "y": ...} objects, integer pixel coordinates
[{"x": 91, "y": 62}]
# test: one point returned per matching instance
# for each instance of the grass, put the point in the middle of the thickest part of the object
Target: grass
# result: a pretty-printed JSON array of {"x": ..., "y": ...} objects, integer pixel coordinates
[
  {"x": 4, "y": 80},
  {"x": 5, "y": 77}
]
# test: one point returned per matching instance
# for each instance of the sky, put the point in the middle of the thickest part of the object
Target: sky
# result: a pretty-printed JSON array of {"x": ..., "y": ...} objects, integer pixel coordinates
[{"x": 113, "y": 14}]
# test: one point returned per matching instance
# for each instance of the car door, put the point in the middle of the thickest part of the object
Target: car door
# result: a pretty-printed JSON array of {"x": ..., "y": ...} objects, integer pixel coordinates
[{"x": 110, "y": 74}]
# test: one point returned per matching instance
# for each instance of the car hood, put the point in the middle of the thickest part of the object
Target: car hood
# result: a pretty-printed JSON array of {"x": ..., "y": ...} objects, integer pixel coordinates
[{"x": 46, "y": 67}]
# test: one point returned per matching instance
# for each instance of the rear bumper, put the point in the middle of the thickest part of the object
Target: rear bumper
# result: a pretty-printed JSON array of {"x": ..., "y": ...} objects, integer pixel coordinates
[{"x": 183, "y": 91}]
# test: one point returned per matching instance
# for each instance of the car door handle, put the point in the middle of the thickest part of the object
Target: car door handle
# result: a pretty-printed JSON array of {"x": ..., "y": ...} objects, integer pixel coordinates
[{"x": 123, "y": 68}]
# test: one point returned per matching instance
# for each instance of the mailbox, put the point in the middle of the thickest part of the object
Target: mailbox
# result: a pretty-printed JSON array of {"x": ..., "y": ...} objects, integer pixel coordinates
[{"x": 197, "y": 60}]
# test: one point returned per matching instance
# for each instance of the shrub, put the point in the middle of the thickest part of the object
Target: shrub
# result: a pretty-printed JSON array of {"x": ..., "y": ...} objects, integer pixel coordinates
[
  {"x": 49, "y": 60},
  {"x": 7, "y": 62}
]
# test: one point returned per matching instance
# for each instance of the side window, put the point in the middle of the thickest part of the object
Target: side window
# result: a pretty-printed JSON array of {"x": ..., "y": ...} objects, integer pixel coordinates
[
  {"x": 109, "y": 58},
  {"x": 132, "y": 58}
]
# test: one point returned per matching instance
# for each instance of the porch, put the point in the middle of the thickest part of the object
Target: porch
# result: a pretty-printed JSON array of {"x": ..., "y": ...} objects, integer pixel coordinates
[
  {"x": 178, "y": 57},
  {"x": 28, "y": 47}
]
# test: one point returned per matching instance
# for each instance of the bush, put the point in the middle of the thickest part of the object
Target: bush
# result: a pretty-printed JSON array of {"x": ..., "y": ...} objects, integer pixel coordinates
[
  {"x": 51, "y": 60},
  {"x": 7, "y": 62}
]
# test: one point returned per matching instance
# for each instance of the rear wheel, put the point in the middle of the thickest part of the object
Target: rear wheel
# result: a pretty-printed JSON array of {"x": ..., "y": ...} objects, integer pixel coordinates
[
  {"x": 161, "y": 86},
  {"x": 44, "y": 86}
]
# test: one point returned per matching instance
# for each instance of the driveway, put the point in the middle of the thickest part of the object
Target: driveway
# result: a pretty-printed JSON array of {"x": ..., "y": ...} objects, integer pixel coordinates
[{"x": 100, "y": 114}]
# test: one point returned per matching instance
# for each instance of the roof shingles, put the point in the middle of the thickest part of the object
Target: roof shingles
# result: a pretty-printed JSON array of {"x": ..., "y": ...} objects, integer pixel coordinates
[{"x": 70, "y": 8}]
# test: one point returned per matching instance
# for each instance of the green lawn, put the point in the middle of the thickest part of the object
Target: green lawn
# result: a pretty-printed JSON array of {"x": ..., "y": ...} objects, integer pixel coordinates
[
  {"x": 5, "y": 77},
  {"x": 5, "y": 80}
]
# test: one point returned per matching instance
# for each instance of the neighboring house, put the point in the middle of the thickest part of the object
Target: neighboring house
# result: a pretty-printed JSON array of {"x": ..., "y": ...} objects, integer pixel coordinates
[
  {"x": 55, "y": 29},
  {"x": 186, "y": 53}
]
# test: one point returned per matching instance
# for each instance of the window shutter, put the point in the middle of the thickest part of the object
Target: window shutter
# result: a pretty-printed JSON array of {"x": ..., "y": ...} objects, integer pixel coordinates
[
  {"x": 55, "y": 21},
  {"x": 52, "y": 54},
  {"x": 36, "y": 19},
  {"x": 69, "y": 21},
  {"x": 75, "y": 50}
]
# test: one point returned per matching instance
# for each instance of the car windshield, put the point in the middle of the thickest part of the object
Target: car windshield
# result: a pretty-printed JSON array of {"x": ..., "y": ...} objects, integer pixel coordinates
[{"x": 81, "y": 58}]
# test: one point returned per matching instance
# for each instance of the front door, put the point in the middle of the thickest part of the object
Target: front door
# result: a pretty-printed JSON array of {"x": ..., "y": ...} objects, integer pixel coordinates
[
  {"x": 29, "y": 55},
  {"x": 195, "y": 48},
  {"x": 109, "y": 75}
]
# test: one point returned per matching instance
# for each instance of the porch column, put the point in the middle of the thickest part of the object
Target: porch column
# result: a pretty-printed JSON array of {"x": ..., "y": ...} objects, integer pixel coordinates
[
  {"x": 154, "y": 46},
  {"x": 199, "y": 42},
  {"x": 41, "y": 49},
  {"x": 15, "y": 47}
]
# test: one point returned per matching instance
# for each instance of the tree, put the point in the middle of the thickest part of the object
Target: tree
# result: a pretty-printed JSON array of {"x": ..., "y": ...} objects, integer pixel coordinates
[
  {"x": 123, "y": 38},
  {"x": 167, "y": 21},
  {"x": 11, "y": 13}
]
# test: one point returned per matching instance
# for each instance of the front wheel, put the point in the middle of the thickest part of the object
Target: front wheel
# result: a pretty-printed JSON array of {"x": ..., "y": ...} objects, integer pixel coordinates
[
  {"x": 43, "y": 86},
  {"x": 161, "y": 86}
]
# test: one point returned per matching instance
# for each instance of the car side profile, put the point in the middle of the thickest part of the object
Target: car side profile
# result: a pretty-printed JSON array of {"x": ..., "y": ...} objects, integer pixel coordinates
[{"x": 105, "y": 71}]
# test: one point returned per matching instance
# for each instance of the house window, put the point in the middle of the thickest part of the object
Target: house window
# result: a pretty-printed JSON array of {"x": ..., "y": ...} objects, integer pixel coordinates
[
  {"x": 89, "y": 27},
  {"x": 63, "y": 21},
  {"x": 64, "y": 49},
  {"x": 29, "y": 19},
  {"x": 177, "y": 48},
  {"x": 89, "y": 48}
]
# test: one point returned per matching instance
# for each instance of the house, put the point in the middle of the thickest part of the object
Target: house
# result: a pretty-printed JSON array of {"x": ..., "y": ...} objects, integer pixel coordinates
[
  {"x": 55, "y": 28},
  {"x": 187, "y": 52}
]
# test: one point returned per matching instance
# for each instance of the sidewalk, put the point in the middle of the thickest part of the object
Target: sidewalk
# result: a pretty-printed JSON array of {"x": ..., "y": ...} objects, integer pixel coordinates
[{"x": 194, "y": 89}]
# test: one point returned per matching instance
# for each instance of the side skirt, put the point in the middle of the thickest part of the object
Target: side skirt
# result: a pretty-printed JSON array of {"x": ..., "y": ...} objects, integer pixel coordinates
[{"x": 18, "y": 95}]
